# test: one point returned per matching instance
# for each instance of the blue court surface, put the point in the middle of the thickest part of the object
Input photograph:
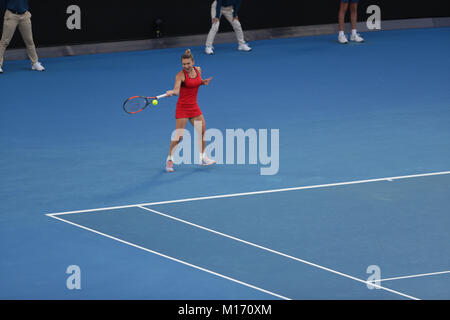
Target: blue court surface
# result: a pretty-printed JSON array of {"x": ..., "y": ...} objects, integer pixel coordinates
[{"x": 360, "y": 197}]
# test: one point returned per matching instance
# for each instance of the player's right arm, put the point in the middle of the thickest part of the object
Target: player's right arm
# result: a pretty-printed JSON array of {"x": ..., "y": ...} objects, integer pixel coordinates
[{"x": 176, "y": 88}]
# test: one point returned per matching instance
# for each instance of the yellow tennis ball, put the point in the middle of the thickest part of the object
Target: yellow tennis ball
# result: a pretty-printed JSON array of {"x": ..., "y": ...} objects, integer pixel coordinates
[{"x": 155, "y": 102}]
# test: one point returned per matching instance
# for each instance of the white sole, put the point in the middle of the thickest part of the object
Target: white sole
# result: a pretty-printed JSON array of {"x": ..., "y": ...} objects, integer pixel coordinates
[{"x": 205, "y": 165}]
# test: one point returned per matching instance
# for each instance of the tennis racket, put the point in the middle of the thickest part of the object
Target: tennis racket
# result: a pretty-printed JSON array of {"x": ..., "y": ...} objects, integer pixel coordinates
[{"x": 138, "y": 103}]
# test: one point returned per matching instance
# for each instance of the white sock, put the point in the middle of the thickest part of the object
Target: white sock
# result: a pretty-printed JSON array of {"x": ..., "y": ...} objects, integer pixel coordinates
[
  {"x": 202, "y": 156},
  {"x": 170, "y": 158},
  {"x": 341, "y": 33},
  {"x": 353, "y": 32}
]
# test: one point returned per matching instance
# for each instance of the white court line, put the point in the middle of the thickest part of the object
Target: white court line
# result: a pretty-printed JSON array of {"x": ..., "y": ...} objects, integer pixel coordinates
[
  {"x": 415, "y": 276},
  {"x": 256, "y": 192},
  {"x": 53, "y": 215},
  {"x": 278, "y": 253},
  {"x": 173, "y": 259}
]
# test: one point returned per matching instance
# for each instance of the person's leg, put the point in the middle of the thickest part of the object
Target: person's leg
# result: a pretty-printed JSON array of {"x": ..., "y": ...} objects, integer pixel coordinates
[
  {"x": 354, "y": 14},
  {"x": 27, "y": 36},
  {"x": 342, "y": 12},
  {"x": 10, "y": 23},
  {"x": 180, "y": 124},
  {"x": 228, "y": 14},
  {"x": 199, "y": 124},
  {"x": 354, "y": 17},
  {"x": 214, "y": 29}
]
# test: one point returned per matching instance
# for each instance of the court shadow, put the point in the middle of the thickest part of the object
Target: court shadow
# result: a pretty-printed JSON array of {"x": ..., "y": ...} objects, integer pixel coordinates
[{"x": 159, "y": 179}]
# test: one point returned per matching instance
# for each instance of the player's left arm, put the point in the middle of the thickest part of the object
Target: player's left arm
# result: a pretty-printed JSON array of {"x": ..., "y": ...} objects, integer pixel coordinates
[{"x": 204, "y": 81}]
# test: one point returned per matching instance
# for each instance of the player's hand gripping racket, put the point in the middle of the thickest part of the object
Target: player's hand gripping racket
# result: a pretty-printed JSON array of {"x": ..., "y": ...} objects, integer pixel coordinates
[{"x": 138, "y": 103}]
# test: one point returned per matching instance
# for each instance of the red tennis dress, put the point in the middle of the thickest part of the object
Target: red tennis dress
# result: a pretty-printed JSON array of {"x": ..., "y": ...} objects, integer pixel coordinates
[{"x": 187, "y": 106}]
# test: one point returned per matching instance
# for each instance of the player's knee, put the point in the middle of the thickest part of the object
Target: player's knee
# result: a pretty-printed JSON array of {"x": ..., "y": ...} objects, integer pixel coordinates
[
  {"x": 177, "y": 138},
  {"x": 236, "y": 24},
  {"x": 4, "y": 43},
  {"x": 215, "y": 26},
  {"x": 177, "y": 135}
]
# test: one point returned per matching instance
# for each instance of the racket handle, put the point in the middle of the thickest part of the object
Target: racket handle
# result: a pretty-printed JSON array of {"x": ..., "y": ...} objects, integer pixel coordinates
[{"x": 161, "y": 96}]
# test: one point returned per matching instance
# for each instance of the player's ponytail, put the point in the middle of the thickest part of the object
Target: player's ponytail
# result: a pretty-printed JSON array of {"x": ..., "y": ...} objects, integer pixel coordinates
[{"x": 188, "y": 55}]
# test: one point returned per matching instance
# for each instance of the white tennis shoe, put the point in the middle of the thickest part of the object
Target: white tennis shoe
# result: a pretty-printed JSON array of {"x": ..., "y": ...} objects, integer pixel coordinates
[
  {"x": 209, "y": 50},
  {"x": 356, "y": 38},
  {"x": 207, "y": 161},
  {"x": 37, "y": 66},
  {"x": 244, "y": 47},
  {"x": 169, "y": 166},
  {"x": 1, "y": 70},
  {"x": 342, "y": 39}
]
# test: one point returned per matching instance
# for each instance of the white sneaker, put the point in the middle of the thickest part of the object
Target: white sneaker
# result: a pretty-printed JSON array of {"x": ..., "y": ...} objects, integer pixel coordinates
[
  {"x": 342, "y": 39},
  {"x": 356, "y": 38},
  {"x": 207, "y": 161},
  {"x": 37, "y": 66},
  {"x": 244, "y": 47},
  {"x": 209, "y": 50},
  {"x": 1, "y": 70},
  {"x": 169, "y": 166}
]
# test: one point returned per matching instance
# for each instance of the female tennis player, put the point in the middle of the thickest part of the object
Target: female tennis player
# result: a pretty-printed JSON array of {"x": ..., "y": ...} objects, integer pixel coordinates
[{"x": 187, "y": 82}]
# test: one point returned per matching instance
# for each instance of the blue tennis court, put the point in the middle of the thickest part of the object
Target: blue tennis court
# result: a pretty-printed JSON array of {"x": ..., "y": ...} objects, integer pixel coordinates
[{"x": 363, "y": 179}]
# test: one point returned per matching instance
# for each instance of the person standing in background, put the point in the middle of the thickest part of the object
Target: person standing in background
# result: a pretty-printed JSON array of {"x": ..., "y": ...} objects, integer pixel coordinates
[
  {"x": 230, "y": 9},
  {"x": 17, "y": 15},
  {"x": 353, "y": 17}
]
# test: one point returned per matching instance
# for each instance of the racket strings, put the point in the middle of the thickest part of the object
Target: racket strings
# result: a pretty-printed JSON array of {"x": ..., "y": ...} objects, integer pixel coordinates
[{"x": 136, "y": 104}]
